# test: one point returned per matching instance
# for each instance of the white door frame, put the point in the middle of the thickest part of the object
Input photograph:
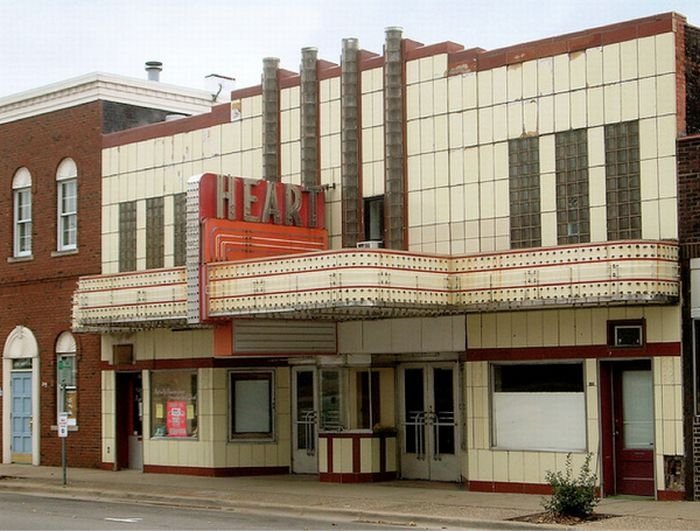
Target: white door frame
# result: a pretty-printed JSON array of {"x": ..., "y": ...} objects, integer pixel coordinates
[
  {"x": 20, "y": 344},
  {"x": 305, "y": 461},
  {"x": 427, "y": 463}
]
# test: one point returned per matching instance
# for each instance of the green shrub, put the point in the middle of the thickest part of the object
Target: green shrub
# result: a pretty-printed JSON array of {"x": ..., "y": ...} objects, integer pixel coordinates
[{"x": 572, "y": 496}]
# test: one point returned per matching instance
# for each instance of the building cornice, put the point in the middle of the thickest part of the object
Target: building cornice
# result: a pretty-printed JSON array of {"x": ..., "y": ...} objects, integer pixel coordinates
[{"x": 105, "y": 87}]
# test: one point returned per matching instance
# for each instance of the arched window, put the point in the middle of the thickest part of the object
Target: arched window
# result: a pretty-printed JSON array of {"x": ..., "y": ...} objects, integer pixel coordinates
[
  {"x": 67, "y": 209},
  {"x": 66, "y": 372},
  {"x": 22, "y": 196}
]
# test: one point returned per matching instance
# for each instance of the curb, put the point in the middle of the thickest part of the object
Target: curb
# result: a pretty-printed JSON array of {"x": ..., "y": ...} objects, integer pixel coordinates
[{"x": 316, "y": 512}]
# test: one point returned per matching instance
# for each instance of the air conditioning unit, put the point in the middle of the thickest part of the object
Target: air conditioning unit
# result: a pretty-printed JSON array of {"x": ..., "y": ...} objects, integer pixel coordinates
[
  {"x": 628, "y": 336},
  {"x": 370, "y": 244}
]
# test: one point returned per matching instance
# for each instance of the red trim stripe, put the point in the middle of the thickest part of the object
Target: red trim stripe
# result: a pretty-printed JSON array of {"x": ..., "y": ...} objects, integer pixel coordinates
[
  {"x": 572, "y": 352},
  {"x": 506, "y": 487},
  {"x": 534, "y": 250},
  {"x": 131, "y": 304},
  {"x": 124, "y": 288},
  {"x": 310, "y": 290},
  {"x": 570, "y": 283},
  {"x": 131, "y": 273}
]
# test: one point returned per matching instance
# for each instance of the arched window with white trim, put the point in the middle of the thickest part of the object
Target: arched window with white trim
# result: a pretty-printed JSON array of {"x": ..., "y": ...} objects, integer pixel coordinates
[
  {"x": 66, "y": 376},
  {"x": 67, "y": 206},
  {"x": 22, "y": 198}
]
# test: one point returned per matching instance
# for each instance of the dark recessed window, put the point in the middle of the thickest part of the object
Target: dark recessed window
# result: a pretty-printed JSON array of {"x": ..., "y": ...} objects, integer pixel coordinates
[
  {"x": 374, "y": 219},
  {"x": 539, "y": 378}
]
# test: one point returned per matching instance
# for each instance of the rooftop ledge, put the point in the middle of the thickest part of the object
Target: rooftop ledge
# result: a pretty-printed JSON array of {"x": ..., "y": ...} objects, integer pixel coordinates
[{"x": 353, "y": 284}]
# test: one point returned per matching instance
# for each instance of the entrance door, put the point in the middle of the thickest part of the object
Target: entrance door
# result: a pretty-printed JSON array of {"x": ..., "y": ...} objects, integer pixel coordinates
[
  {"x": 21, "y": 383},
  {"x": 304, "y": 421},
  {"x": 629, "y": 445},
  {"x": 129, "y": 421},
  {"x": 429, "y": 422}
]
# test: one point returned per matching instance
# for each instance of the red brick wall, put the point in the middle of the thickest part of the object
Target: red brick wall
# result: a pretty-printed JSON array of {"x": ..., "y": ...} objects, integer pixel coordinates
[
  {"x": 44, "y": 307},
  {"x": 691, "y": 71},
  {"x": 689, "y": 189},
  {"x": 38, "y": 293},
  {"x": 689, "y": 236}
]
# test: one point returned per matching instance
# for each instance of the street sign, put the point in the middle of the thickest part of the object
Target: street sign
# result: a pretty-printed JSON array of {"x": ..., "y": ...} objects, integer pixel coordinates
[{"x": 63, "y": 424}]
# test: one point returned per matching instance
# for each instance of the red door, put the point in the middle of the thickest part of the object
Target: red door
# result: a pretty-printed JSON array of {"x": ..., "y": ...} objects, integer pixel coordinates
[{"x": 628, "y": 428}]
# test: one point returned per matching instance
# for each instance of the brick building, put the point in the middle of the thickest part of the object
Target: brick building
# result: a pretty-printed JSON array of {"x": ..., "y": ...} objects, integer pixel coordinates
[
  {"x": 500, "y": 285},
  {"x": 689, "y": 238},
  {"x": 50, "y": 168}
]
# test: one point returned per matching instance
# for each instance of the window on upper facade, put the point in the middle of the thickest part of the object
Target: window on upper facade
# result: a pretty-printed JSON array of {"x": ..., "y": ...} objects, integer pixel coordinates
[
  {"x": 623, "y": 195},
  {"x": 22, "y": 197},
  {"x": 127, "y": 236},
  {"x": 67, "y": 205},
  {"x": 524, "y": 181},
  {"x": 251, "y": 399},
  {"x": 66, "y": 376},
  {"x": 154, "y": 233},
  {"x": 174, "y": 403},
  {"x": 573, "y": 218},
  {"x": 180, "y": 229},
  {"x": 538, "y": 406},
  {"x": 374, "y": 219}
]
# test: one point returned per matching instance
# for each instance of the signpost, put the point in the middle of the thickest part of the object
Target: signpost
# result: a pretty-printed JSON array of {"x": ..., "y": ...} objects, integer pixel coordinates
[{"x": 63, "y": 433}]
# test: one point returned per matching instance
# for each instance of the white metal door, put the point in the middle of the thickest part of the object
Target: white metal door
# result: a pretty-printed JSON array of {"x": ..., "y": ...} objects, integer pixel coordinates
[
  {"x": 429, "y": 422},
  {"x": 304, "y": 421}
]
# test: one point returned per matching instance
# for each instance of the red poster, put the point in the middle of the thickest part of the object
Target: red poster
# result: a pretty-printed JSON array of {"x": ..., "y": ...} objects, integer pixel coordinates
[{"x": 176, "y": 418}]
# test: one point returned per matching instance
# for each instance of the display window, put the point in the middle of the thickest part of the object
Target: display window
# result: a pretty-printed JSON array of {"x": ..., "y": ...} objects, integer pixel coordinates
[
  {"x": 251, "y": 405},
  {"x": 538, "y": 406},
  {"x": 174, "y": 404}
]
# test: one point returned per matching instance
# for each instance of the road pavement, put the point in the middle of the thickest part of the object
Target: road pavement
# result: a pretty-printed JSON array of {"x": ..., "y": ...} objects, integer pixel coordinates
[
  {"x": 32, "y": 512},
  {"x": 412, "y": 503}
]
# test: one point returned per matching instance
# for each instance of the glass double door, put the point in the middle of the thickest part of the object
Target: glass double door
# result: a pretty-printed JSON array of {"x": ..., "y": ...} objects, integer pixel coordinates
[{"x": 429, "y": 422}]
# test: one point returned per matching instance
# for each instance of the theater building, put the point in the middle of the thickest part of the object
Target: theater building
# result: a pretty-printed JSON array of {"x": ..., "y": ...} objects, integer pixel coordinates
[
  {"x": 435, "y": 263},
  {"x": 50, "y": 163}
]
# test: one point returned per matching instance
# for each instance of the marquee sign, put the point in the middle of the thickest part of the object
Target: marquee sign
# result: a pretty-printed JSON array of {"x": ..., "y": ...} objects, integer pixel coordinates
[
  {"x": 260, "y": 201},
  {"x": 247, "y": 218}
]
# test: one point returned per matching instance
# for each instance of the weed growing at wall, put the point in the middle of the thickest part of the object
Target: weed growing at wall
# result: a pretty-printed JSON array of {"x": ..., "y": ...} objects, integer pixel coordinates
[{"x": 572, "y": 495}]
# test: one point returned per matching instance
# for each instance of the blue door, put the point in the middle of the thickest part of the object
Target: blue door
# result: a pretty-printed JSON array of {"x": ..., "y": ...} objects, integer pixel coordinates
[{"x": 22, "y": 416}]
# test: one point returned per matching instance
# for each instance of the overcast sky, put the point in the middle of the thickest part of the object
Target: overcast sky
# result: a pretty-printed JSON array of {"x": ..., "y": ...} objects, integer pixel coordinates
[{"x": 44, "y": 41}]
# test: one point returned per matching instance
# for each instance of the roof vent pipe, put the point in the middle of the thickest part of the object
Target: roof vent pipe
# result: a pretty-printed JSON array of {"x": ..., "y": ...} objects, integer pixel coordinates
[{"x": 154, "y": 69}]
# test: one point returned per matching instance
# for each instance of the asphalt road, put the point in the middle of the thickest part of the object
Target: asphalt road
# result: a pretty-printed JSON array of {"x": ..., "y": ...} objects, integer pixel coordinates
[{"x": 28, "y": 511}]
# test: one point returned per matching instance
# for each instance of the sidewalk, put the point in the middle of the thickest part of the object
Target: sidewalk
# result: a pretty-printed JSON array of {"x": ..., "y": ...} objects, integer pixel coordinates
[{"x": 420, "y": 503}]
